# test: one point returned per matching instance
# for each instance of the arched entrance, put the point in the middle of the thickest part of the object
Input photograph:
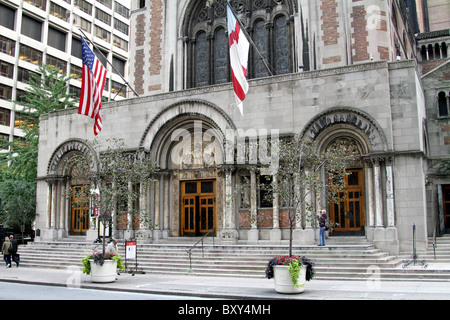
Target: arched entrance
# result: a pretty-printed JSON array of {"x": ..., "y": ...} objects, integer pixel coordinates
[
  {"x": 186, "y": 141},
  {"x": 68, "y": 212},
  {"x": 360, "y": 136},
  {"x": 198, "y": 207},
  {"x": 348, "y": 211}
]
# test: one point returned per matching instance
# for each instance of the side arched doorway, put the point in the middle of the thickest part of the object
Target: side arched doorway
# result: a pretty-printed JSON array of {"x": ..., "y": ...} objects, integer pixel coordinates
[
  {"x": 349, "y": 211},
  {"x": 68, "y": 213},
  {"x": 363, "y": 203}
]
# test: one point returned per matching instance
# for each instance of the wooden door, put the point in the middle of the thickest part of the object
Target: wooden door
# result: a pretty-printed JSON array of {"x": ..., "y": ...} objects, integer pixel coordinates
[
  {"x": 446, "y": 203},
  {"x": 198, "y": 207},
  {"x": 80, "y": 211},
  {"x": 348, "y": 212}
]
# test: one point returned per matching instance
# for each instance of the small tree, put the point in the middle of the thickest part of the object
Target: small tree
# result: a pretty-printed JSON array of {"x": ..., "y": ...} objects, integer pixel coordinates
[
  {"x": 298, "y": 178},
  {"x": 18, "y": 203},
  {"x": 118, "y": 170},
  {"x": 47, "y": 92}
]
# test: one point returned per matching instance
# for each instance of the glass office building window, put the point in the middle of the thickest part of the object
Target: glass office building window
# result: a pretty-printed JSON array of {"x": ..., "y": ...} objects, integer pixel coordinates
[
  {"x": 122, "y": 10},
  {"x": 102, "y": 34},
  {"x": 82, "y": 23},
  {"x": 29, "y": 54},
  {"x": 120, "y": 43},
  {"x": 5, "y": 117},
  {"x": 31, "y": 28},
  {"x": 5, "y": 92},
  {"x": 56, "y": 39},
  {"x": 84, "y": 6},
  {"x": 59, "y": 12},
  {"x": 7, "y": 46},
  {"x": 103, "y": 16},
  {"x": 7, "y": 17},
  {"x": 41, "y": 4},
  {"x": 6, "y": 69},
  {"x": 57, "y": 63}
]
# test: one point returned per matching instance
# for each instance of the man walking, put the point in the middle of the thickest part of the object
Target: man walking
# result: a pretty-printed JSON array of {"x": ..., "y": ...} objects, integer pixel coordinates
[{"x": 13, "y": 250}]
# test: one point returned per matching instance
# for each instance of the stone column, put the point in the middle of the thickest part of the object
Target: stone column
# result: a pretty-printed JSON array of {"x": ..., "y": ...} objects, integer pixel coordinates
[
  {"x": 275, "y": 233},
  {"x": 50, "y": 233},
  {"x": 378, "y": 193},
  {"x": 253, "y": 232},
  {"x": 49, "y": 204},
  {"x": 390, "y": 194},
  {"x": 370, "y": 214},
  {"x": 129, "y": 232},
  {"x": 166, "y": 227},
  {"x": 229, "y": 232},
  {"x": 54, "y": 204},
  {"x": 156, "y": 205},
  {"x": 144, "y": 232},
  {"x": 62, "y": 231}
]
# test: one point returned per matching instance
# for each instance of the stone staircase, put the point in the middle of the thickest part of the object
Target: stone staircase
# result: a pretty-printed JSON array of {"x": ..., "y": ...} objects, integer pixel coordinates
[{"x": 342, "y": 258}]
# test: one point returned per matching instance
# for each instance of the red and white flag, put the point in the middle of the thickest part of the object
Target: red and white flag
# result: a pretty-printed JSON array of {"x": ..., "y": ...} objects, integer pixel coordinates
[
  {"x": 93, "y": 81},
  {"x": 239, "y": 47}
]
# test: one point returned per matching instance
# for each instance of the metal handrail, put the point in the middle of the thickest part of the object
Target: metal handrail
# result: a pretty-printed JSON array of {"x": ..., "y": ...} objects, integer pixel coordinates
[
  {"x": 434, "y": 241},
  {"x": 189, "y": 252}
]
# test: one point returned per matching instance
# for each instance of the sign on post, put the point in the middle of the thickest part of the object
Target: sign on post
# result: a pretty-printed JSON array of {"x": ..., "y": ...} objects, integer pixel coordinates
[{"x": 131, "y": 254}]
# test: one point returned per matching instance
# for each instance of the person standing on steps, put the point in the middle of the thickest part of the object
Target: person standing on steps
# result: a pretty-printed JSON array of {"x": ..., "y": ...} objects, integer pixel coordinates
[
  {"x": 112, "y": 246},
  {"x": 13, "y": 250},
  {"x": 5, "y": 251},
  {"x": 322, "y": 217}
]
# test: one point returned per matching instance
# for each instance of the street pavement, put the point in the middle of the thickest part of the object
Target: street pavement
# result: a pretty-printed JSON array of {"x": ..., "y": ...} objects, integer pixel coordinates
[{"x": 240, "y": 288}]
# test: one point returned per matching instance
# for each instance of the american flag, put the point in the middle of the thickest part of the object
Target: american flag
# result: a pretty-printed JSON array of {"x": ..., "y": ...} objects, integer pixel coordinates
[{"x": 94, "y": 76}]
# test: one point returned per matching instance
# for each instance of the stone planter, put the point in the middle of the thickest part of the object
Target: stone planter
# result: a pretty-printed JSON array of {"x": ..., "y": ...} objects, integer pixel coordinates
[
  {"x": 105, "y": 273},
  {"x": 283, "y": 281}
]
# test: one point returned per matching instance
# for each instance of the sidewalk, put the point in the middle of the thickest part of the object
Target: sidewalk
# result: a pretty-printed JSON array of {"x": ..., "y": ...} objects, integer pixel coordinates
[{"x": 234, "y": 288}]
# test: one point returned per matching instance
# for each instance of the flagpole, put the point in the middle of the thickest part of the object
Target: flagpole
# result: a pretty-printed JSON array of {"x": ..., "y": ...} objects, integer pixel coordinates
[
  {"x": 117, "y": 72},
  {"x": 249, "y": 39}
]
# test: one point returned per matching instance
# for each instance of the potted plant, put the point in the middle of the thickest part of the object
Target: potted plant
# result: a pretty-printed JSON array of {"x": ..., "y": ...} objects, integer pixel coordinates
[
  {"x": 117, "y": 176},
  {"x": 297, "y": 184},
  {"x": 102, "y": 267},
  {"x": 290, "y": 273}
]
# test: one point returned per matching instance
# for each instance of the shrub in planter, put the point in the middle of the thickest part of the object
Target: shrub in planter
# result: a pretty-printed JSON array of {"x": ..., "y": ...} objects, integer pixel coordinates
[
  {"x": 293, "y": 264},
  {"x": 99, "y": 259}
]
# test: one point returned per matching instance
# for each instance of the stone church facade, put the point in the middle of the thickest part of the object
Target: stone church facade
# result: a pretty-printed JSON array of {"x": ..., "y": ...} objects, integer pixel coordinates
[{"x": 344, "y": 73}]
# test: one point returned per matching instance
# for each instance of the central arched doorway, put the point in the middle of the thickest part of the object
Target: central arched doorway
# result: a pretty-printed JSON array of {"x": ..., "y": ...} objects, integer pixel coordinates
[
  {"x": 198, "y": 207},
  {"x": 186, "y": 140}
]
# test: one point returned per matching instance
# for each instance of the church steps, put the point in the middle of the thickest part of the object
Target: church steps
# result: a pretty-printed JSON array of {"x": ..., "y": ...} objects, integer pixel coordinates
[{"x": 335, "y": 261}]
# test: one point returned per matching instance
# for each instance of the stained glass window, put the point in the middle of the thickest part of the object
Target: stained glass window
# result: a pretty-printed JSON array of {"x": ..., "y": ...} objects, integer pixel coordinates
[
  {"x": 221, "y": 56},
  {"x": 260, "y": 40},
  {"x": 206, "y": 39},
  {"x": 202, "y": 60}
]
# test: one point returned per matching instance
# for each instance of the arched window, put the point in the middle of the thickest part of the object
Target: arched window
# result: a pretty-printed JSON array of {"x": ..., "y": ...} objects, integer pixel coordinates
[
  {"x": 220, "y": 56},
  {"x": 444, "y": 50},
  {"x": 423, "y": 52},
  {"x": 260, "y": 38},
  {"x": 282, "y": 47},
  {"x": 201, "y": 60},
  {"x": 437, "y": 51},
  {"x": 442, "y": 104},
  {"x": 206, "y": 39}
]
